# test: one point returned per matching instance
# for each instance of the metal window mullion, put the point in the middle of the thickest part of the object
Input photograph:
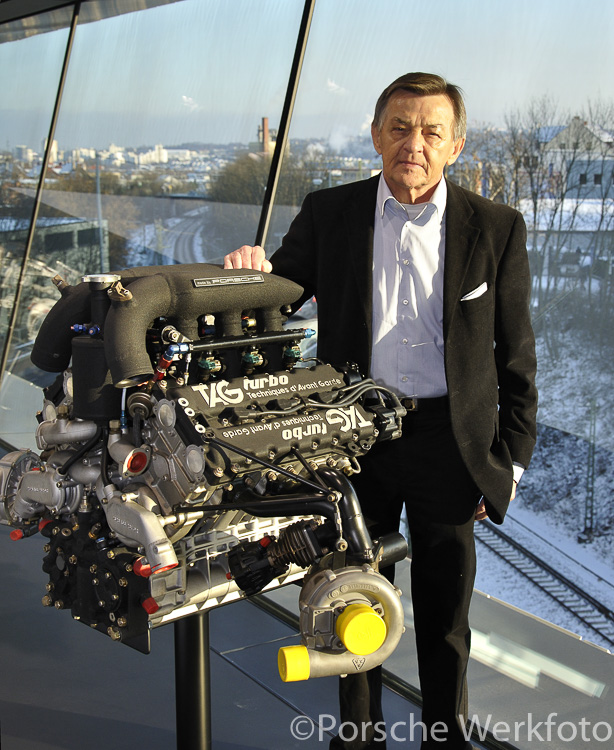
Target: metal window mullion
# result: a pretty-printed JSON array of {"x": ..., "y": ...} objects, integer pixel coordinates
[
  {"x": 284, "y": 124},
  {"x": 38, "y": 196}
]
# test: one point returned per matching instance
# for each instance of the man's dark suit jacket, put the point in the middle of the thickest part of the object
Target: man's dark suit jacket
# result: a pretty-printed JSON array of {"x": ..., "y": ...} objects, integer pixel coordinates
[{"x": 489, "y": 345}]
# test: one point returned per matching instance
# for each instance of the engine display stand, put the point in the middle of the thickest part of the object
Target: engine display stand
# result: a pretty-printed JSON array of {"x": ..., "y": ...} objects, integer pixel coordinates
[{"x": 192, "y": 682}]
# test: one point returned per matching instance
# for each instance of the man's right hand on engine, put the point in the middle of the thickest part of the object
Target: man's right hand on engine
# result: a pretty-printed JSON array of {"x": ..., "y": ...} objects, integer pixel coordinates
[{"x": 248, "y": 256}]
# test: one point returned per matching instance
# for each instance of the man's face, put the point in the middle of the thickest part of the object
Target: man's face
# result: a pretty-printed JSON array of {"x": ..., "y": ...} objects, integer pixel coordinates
[{"x": 416, "y": 142}]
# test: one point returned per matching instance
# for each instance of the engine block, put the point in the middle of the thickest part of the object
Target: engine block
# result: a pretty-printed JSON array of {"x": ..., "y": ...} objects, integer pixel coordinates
[{"x": 190, "y": 456}]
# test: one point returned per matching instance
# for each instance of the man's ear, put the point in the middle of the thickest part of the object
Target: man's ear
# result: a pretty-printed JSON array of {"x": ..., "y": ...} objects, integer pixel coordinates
[
  {"x": 375, "y": 137},
  {"x": 458, "y": 147}
]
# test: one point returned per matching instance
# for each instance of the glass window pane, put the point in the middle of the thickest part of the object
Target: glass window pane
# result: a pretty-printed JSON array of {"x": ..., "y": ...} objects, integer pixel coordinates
[
  {"x": 156, "y": 104},
  {"x": 30, "y": 65},
  {"x": 541, "y": 128}
]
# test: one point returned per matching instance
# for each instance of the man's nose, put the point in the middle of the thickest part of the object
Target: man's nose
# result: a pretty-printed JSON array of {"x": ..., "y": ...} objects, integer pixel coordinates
[{"x": 414, "y": 142}]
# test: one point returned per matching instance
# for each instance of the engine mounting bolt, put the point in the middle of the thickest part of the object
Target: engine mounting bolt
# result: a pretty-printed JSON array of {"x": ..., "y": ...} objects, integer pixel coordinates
[
  {"x": 107, "y": 575},
  {"x": 101, "y": 602},
  {"x": 46, "y": 548},
  {"x": 49, "y": 586},
  {"x": 123, "y": 582},
  {"x": 55, "y": 530},
  {"x": 271, "y": 476},
  {"x": 128, "y": 568},
  {"x": 66, "y": 532},
  {"x": 234, "y": 468},
  {"x": 93, "y": 568},
  {"x": 59, "y": 604},
  {"x": 72, "y": 559},
  {"x": 341, "y": 545},
  {"x": 115, "y": 597},
  {"x": 110, "y": 554},
  {"x": 114, "y": 634},
  {"x": 59, "y": 551},
  {"x": 47, "y": 601},
  {"x": 218, "y": 471},
  {"x": 95, "y": 581},
  {"x": 122, "y": 622}
]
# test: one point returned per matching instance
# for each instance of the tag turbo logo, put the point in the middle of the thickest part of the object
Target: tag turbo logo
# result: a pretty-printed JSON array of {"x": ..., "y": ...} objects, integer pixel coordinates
[
  {"x": 345, "y": 420},
  {"x": 218, "y": 392}
]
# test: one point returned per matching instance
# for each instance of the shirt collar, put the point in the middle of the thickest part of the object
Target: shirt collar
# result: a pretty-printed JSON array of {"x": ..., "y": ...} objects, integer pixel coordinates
[{"x": 438, "y": 200}]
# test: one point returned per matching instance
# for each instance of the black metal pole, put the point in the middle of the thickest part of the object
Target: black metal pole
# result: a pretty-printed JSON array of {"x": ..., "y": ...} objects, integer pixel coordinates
[
  {"x": 284, "y": 123},
  {"x": 193, "y": 682}
]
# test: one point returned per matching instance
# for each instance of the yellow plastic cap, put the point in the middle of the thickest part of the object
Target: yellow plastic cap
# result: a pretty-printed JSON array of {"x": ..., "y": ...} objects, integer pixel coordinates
[
  {"x": 361, "y": 629},
  {"x": 293, "y": 663}
]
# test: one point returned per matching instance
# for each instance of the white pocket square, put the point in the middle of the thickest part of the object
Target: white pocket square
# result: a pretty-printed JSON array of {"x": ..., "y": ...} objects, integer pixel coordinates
[{"x": 478, "y": 292}]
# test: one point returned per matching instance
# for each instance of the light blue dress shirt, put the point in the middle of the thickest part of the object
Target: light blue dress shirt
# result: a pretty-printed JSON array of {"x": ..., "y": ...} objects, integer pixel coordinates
[{"x": 408, "y": 263}]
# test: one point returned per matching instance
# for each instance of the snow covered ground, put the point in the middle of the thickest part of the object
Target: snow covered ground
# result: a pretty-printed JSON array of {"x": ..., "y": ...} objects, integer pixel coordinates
[{"x": 549, "y": 512}]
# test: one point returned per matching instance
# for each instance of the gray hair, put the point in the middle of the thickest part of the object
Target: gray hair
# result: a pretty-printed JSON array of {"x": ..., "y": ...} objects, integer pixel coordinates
[{"x": 425, "y": 84}]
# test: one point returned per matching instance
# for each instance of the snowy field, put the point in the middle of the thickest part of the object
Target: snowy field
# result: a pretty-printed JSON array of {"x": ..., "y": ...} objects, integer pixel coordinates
[{"x": 549, "y": 513}]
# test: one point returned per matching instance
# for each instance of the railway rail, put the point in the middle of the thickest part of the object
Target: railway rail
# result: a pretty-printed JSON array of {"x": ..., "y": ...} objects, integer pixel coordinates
[{"x": 585, "y": 607}]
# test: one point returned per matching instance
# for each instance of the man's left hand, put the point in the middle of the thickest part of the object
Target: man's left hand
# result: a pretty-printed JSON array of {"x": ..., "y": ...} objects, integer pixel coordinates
[{"x": 481, "y": 512}]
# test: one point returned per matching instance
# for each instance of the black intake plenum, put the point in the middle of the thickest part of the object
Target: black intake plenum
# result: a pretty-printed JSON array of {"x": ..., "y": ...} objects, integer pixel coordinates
[{"x": 179, "y": 293}]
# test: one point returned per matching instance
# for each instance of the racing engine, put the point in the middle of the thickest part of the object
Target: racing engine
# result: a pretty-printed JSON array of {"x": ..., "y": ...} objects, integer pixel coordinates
[{"x": 190, "y": 456}]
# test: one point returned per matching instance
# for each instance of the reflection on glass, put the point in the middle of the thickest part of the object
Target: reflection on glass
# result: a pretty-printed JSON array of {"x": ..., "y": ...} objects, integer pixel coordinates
[
  {"x": 29, "y": 75},
  {"x": 161, "y": 134},
  {"x": 162, "y": 147}
]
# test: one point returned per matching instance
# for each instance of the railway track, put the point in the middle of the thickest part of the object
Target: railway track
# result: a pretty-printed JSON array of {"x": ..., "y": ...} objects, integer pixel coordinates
[{"x": 569, "y": 595}]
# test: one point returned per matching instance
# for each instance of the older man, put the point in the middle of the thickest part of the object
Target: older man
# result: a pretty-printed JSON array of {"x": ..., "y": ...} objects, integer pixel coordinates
[{"x": 426, "y": 287}]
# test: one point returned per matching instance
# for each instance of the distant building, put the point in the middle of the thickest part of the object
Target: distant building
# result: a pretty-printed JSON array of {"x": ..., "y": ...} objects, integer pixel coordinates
[
  {"x": 53, "y": 151},
  {"x": 266, "y": 138},
  {"x": 584, "y": 154},
  {"x": 24, "y": 154}
]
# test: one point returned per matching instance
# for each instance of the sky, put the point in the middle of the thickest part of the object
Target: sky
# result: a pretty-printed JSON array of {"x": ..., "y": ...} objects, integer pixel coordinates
[{"x": 209, "y": 70}]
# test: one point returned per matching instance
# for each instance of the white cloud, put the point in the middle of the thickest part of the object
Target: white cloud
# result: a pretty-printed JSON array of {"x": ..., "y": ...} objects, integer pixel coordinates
[
  {"x": 334, "y": 88},
  {"x": 366, "y": 124},
  {"x": 190, "y": 103}
]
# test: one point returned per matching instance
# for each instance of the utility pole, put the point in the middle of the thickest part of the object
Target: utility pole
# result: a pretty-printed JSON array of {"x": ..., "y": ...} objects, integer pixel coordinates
[{"x": 589, "y": 508}]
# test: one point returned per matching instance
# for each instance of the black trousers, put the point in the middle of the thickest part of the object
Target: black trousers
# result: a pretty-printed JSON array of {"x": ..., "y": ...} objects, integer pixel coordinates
[{"x": 424, "y": 472}]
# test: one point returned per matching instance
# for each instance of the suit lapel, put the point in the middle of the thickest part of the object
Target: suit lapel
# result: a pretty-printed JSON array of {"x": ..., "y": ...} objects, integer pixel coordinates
[
  {"x": 461, "y": 238},
  {"x": 359, "y": 218}
]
